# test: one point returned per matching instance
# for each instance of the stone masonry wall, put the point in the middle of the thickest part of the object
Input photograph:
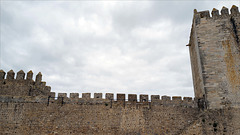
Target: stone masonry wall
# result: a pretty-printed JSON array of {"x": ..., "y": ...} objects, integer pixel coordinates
[
  {"x": 38, "y": 115},
  {"x": 29, "y": 107},
  {"x": 21, "y": 86},
  {"x": 216, "y": 122},
  {"x": 215, "y": 56}
]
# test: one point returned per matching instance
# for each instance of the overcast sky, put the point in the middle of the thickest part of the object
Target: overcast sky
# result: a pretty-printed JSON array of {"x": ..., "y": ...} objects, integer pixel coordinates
[{"x": 136, "y": 47}]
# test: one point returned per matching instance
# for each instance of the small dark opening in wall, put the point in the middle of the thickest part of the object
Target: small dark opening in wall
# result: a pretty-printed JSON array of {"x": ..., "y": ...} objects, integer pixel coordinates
[
  {"x": 215, "y": 124},
  {"x": 224, "y": 130},
  {"x": 203, "y": 120},
  {"x": 215, "y": 129}
]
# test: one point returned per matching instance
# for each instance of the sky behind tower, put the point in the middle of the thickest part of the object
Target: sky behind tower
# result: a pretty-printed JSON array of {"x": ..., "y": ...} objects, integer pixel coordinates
[{"x": 136, "y": 47}]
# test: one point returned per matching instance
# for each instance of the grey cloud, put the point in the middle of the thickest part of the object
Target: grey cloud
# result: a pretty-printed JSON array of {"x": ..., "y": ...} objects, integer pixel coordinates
[{"x": 126, "y": 47}]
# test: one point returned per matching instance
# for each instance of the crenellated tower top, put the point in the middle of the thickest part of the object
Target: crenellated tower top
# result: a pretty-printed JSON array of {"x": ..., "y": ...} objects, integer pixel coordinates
[{"x": 215, "y": 14}]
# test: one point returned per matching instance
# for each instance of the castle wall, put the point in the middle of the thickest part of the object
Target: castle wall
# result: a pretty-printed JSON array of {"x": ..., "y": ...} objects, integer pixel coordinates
[
  {"x": 29, "y": 107},
  {"x": 216, "y": 122},
  {"x": 38, "y": 115},
  {"x": 34, "y": 115},
  {"x": 215, "y": 43},
  {"x": 21, "y": 86}
]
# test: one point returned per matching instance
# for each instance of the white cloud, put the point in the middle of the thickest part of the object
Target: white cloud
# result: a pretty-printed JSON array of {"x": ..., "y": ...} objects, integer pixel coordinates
[
  {"x": 160, "y": 31},
  {"x": 125, "y": 47}
]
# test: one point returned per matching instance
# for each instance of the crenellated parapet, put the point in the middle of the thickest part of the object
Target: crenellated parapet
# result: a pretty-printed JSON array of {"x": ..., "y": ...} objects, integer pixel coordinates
[
  {"x": 132, "y": 99},
  {"x": 26, "y": 89},
  {"x": 215, "y": 14},
  {"x": 22, "y": 85}
]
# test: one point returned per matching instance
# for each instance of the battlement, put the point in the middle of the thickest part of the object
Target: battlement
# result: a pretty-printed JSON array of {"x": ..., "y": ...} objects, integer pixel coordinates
[
  {"x": 62, "y": 99},
  {"x": 20, "y": 76},
  {"x": 122, "y": 97},
  {"x": 12, "y": 89},
  {"x": 224, "y": 13},
  {"x": 22, "y": 85},
  {"x": 28, "y": 106}
]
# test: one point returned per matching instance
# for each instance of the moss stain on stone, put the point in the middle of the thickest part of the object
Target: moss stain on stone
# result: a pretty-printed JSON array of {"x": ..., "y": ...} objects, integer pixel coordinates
[{"x": 232, "y": 75}]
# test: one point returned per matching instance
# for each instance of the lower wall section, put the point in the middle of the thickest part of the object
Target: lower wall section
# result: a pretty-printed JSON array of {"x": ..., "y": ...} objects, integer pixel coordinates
[
  {"x": 216, "y": 122},
  {"x": 117, "y": 118},
  {"x": 114, "y": 118}
]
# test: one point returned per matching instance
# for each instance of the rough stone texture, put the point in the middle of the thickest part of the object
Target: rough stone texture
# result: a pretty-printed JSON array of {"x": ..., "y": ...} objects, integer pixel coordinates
[
  {"x": 20, "y": 75},
  {"x": 86, "y": 95},
  {"x": 109, "y": 96},
  {"x": 2, "y": 74},
  {"x": 28, "y": 107},
  {"x": 215, "y": 57},
  {"x": 62, "y": 95},
  {"x": 121, "y": 97},
  {"x": 155, "y": 97},
  {"x": 22, "y": 87},
  {"x": 98, "y": 95},
  {"x": 29, "y": 115},
  {"x": 143, "y": 98},
  {"x": 10, "y": 75},
  {"x": 30, "y": 75},
  {"x": 74, "y": 95},
  {"x": 132, "y": 97}
]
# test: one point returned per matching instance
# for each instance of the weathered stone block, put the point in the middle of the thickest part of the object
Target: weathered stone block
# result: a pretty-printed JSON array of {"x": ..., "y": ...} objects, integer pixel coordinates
[
  {"x": 60, "y": 95},
  {"x": 224, "y": 11},
  {"x": 215, "y": 12},
  {"x": 98, "y": 95},
  {"x": 10, "y": 75},
  {"x": 74, "y": 95},
  {"x": 187, "y": 99},
  {"x": 166, "y": 98},
  {"x": 2, "y": 74},
  {"x": 30, "y": 75},
  {"x": 121, "y": 97},
  {"x": 20, "y": 75},
  {"x": 52, "y": 94},
  {"x": 177, "y": 98},
  {"x": 109, "y": 96},
  {"x": 143, "y": 98},
  {"x": 132, "y": 97},
  {"x": 38, "y": 78},
  {"x": 86, "y": 95},
  {"x": 155, "y": 97},
  {"x": 234, "y": 10}
]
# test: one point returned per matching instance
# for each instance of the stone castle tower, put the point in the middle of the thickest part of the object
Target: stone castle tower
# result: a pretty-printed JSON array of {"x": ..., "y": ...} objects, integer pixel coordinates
[
  {"x": 29, "y": 107},
  {"x": 215, "y": 57}
]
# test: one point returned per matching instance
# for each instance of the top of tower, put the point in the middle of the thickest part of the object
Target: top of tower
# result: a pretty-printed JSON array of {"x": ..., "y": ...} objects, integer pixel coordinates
[{"x": 215, "y": 13}]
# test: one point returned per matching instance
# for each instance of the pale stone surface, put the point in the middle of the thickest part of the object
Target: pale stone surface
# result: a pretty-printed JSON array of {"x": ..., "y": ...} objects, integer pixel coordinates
[
  {"x": 215, "y": 57},
  {"x": 20, "y": 75},
  {"x": 29, "y": 107}
]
